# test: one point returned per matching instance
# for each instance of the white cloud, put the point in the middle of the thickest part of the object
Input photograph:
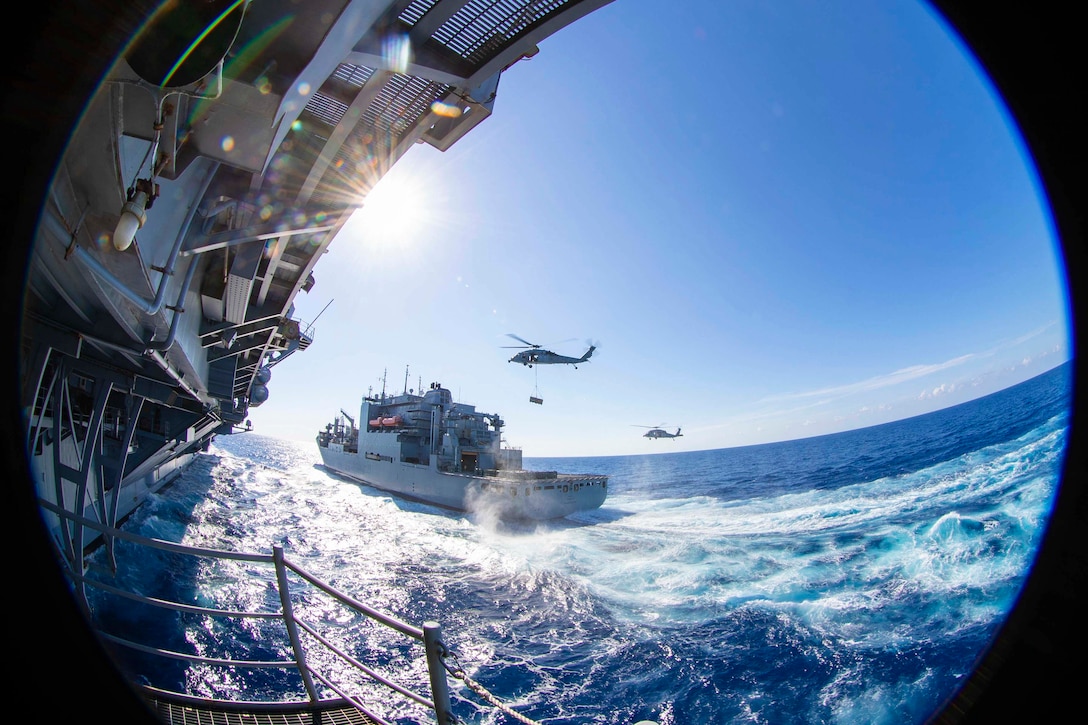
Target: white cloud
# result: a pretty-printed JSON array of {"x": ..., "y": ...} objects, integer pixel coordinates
[
  {"x": 876, "y": 383},
  {"x": 942, "y": 389},
  {"x": 914, "y": 372}
]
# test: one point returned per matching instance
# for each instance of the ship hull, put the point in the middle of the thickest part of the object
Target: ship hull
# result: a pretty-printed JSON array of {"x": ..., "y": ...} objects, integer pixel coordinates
[{"x": 508, "y": 495}]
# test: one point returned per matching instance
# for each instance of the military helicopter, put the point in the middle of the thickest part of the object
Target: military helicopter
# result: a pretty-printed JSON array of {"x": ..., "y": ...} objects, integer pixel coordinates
[
  {"x": 537, "y": 355},
  {"x": 656, "y": 431}
]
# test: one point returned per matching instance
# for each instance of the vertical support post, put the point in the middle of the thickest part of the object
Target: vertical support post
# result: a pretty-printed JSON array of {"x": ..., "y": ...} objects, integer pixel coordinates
[
  {"x": 35, "y": 372},
  {"x": 289, "y": 621},
  {"x": 440, "y": 692},
  {"x": 133, "y": 405},
  {"x": 92, "y": 450},
  {"x": 59, "y": 395}
]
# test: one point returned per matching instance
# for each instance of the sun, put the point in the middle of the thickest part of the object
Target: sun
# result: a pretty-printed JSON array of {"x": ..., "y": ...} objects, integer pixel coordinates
[{"x": 394, "y": 213}]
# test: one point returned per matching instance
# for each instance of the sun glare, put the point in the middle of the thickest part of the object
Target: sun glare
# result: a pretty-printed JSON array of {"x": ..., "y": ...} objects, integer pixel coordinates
[{"x": 393, "y": 214}]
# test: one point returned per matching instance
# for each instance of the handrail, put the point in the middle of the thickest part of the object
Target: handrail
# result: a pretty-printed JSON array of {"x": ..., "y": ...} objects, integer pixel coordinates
[
  {"x": 153, "y": 543},
  {"x": 405, "y": 629},
  {"x": 292, "y": 624},
  {"x": 429, "y": 635},
  {"x": 359, "y": 665},
  {"x": 195, "y": 658},
  {"x": 176, "y": 606}
]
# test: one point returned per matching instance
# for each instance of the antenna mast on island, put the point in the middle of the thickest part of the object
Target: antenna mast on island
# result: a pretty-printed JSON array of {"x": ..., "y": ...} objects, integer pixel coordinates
[
  {"x": 405, "y": 380},
  {"x": 383, "y": 382}
]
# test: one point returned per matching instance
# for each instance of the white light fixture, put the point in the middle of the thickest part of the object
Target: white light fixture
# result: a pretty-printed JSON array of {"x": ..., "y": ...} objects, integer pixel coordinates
[{"x": 133, "y": 216}]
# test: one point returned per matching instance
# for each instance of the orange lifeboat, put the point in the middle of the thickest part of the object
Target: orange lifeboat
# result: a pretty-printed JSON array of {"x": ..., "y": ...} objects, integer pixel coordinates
[{"x": 389, "y": 422}]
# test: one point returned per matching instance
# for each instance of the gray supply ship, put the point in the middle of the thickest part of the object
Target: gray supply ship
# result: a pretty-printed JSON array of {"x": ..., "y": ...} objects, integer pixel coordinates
[{"x": 429, "y": 448}]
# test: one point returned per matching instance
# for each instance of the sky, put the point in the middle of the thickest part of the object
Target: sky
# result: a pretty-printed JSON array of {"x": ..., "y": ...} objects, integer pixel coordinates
[{"x": 775, "y": 221}]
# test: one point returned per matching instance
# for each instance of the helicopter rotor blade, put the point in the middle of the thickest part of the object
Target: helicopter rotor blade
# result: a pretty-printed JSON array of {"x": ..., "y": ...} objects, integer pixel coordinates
[{"x": 519, "y": 339}]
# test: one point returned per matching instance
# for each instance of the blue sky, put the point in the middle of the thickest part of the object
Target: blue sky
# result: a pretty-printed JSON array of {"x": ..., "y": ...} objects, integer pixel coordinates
[{"x": 776, "y": 220}]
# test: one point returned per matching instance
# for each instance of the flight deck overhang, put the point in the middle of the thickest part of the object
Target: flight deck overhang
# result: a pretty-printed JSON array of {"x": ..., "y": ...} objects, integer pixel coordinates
[{"x": 207, "y": 177}]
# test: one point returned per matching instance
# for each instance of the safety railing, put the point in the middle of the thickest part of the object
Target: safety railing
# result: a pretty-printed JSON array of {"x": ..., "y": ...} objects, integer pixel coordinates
[{"x": 301, "y": 635}]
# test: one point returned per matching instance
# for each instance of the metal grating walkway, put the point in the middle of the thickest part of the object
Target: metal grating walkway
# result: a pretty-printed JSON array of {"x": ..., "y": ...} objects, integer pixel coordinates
[{"x": 172, "y": 713}]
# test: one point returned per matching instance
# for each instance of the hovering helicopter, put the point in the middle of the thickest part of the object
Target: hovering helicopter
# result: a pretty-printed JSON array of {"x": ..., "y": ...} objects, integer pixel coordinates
[
  {"x": 657, "y": 431},
  {"x": 536, "y": 355}
]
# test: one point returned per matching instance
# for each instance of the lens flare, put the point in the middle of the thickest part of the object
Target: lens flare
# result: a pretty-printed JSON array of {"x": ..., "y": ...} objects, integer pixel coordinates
[
  {"x": 445, "y": 109},
  {"x": 199, "y": 39},
  {"x": 397, "y": 52}
]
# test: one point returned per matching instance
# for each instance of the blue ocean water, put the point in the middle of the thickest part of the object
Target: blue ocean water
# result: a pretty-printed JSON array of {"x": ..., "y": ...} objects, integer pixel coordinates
[{"x": 850, "y": 578}]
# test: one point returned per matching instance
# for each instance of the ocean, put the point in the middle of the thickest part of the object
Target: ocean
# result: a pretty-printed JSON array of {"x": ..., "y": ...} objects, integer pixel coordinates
[{"x": 850, "y": 578}]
